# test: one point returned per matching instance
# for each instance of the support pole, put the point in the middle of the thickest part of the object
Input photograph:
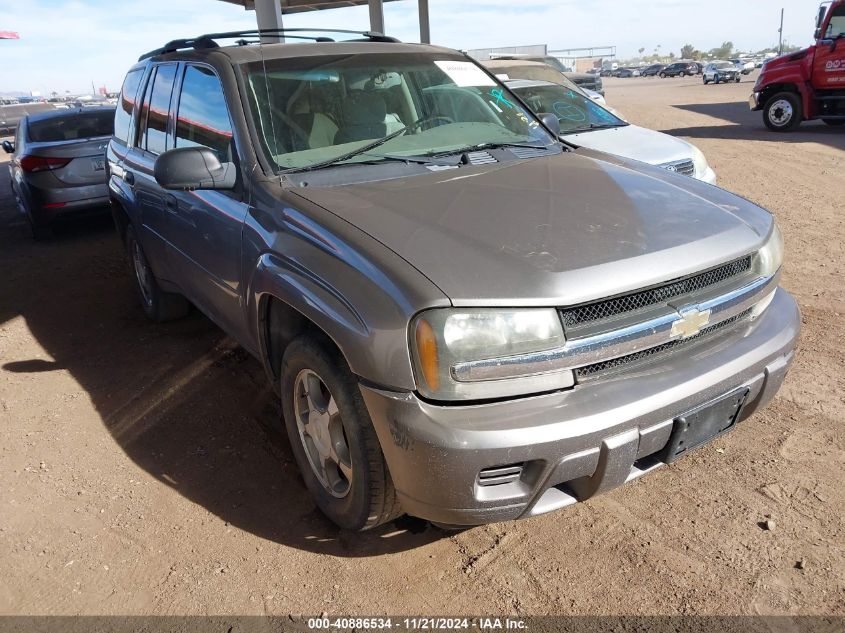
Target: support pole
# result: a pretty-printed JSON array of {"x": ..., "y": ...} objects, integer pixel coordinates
[
  {"x": 376, "y": 16},
  {"x": 780, "y": 35},
  {"x": 425, "y": 25},
  {"x": 268, "y": 15}
]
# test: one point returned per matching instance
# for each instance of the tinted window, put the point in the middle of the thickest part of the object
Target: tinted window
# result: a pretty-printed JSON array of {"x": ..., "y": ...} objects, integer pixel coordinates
[
  {"x": 123, "y": 114},
  {"x": 203, "y": 118},
  {"x": 159, "y": 104},
  {"x": 78, "y": 125}
]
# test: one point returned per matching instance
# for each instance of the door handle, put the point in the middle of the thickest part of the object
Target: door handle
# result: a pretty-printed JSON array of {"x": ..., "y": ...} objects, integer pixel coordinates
[
  {"x": 170, "y": 202},
  {"x": 129, "y": 177}
]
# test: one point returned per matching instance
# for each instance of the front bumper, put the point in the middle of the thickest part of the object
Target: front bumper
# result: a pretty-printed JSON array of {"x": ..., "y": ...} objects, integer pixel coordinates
[
  {"x": 754, "y": 101},
  {"x": 572, "y": 444}
]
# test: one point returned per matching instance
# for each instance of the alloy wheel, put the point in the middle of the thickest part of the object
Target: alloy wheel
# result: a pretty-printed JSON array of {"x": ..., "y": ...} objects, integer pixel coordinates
[{"x": 322, "y": 433}]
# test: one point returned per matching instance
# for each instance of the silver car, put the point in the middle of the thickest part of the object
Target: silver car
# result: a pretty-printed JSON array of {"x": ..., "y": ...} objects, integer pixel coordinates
[
  {"x": 586, "y": 124},
  {"x": 58, "y": 164},
  {"x": 718, "y": 72}
]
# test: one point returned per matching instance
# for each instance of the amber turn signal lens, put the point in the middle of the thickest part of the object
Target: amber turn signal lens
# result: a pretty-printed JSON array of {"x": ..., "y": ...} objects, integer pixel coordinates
[{"x": 427, "y": 353}]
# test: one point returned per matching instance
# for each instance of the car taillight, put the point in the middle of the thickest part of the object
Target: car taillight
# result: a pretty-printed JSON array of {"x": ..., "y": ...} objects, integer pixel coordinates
[{"x": 42, "y": 163}]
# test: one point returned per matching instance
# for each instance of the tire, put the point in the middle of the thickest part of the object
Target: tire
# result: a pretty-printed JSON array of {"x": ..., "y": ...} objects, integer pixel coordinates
[
  {"x": 157, "y": 304},
  {"x": 704, "y": 79},
  {"x": 682, "y": 74},
  {"x": 737, "y": 80},
  {"x": 663, "y": 75},
  {"x": 716, "y": 79},
  {"x": 352, "y": 487},
  {"x": 834, "y": 122},
  {"x": 783, "y": 112}
]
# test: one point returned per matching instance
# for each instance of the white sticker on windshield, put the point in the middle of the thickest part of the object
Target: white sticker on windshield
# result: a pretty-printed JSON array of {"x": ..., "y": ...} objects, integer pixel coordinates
[{"x": 465, "y": 74}]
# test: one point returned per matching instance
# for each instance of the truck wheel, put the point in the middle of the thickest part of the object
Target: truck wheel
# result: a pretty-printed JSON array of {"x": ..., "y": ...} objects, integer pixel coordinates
[
  {"x": 834, "y": 122},
  {"x": 333, "y": 439},
  {"x": 782, "y": 112},
  {"x": 157, "y": 304}
]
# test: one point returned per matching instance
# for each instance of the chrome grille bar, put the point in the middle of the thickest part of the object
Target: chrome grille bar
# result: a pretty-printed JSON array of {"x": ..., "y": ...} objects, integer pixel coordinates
[{"x": 684, "y": 322}]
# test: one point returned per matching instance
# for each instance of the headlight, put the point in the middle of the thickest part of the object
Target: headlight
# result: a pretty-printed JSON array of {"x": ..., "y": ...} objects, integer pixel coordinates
[
  {"x": 769, "y": 260},
  {"x": 770, "y": 257},
  {"x": 483, "y": 353},
  {"x": 699, "y": 162}
]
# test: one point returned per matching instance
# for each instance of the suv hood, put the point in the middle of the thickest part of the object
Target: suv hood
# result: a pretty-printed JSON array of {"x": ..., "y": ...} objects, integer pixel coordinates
[{"x": 550, "y": 231}]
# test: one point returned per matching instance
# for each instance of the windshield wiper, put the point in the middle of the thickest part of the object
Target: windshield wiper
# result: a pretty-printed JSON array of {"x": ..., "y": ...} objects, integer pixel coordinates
[
  {"x": 594, "y": 126},
  {"x": 492, "y": 145},
  {"x": 361, "y": 150}
]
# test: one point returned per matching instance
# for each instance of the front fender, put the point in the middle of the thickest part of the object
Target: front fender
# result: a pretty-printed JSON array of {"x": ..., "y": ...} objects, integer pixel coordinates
[{"x": 350, "y": 286}]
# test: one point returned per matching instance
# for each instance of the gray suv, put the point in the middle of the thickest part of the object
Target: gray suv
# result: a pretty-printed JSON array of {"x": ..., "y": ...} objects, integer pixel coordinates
[{"x": 466, "y": 319}]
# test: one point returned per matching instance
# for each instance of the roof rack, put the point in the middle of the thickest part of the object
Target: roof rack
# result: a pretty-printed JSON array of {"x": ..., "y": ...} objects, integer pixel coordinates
[{"x": 207, "y": 41}]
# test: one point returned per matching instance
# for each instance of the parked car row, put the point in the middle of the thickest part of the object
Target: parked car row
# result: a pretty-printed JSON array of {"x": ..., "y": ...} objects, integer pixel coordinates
[{"x": 470, "y": 310}]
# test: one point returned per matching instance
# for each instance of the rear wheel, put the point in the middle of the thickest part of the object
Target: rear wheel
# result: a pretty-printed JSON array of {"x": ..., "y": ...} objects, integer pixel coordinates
[
  {"x": 782, "y": 112},
  {"x": 333, "y": 439},
  {"x": 834, "y": 122},
  {"x": 157, "y": 304},
  {"x": 682, "y": 74},
  {"x": 663, "y": 75}
]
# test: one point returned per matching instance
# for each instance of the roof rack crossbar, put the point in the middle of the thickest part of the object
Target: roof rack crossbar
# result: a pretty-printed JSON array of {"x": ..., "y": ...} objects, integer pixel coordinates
[{"x": 208, "y": 40}]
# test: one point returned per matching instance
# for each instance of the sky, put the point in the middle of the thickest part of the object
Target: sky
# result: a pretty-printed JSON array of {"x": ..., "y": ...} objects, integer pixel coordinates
[{"x": 68, "y": 45}]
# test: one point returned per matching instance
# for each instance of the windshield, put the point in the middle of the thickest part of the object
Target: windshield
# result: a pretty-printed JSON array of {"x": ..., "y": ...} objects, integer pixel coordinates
[
  {"x": 723, "y": 65},
  {"x": 574, "y": 111},
  {"x": 309, "y": 111}
]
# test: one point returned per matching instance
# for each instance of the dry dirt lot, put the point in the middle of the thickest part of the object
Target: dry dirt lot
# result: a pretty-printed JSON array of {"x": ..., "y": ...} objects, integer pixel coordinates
[{"x": 143, "y": 468}]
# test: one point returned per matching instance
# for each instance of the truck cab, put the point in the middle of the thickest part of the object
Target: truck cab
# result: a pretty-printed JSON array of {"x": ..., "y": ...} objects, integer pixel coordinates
[{"x": 810, "y": 83}]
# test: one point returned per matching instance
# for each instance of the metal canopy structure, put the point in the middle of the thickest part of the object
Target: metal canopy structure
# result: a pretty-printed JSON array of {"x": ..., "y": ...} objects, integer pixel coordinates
[{"x": 269, "y": 13}]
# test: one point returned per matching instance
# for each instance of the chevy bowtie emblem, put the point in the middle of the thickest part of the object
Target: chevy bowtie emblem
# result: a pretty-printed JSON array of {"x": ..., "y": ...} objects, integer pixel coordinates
[
  {"x": 691, "y": 322},
  {"x": 672, "y": 168}
]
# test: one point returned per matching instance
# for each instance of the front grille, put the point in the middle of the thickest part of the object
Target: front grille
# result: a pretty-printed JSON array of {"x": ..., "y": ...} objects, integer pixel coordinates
[
  {"x": 589, "y": 371},
  {"x": 609, "y": 308},
  {"x": 685, "y": 167}
]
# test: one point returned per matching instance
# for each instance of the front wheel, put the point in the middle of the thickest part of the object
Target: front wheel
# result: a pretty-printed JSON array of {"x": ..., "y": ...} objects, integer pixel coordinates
[
  {"x": 663, "y": 75},
  {"x": 333, "y": 439},
  {"x": 682, "y": 74},
  {"x": 705, "y": 80},
  {"x": 737, "y": 80},
  {"x": 157, "y": 304},
  {"x": 782, "y": 112}
]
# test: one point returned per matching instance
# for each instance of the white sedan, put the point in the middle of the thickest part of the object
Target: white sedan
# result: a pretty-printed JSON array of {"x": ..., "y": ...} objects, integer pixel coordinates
[{"x": 585, "y": 123}]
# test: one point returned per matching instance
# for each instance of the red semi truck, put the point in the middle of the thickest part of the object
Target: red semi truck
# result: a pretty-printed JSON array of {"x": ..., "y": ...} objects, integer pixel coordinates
[{"x": 808, "y": 84}]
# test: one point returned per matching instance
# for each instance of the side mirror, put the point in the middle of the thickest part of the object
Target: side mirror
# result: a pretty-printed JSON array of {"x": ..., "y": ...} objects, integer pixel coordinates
[
  {"x": 189, "y": 168},
  {"x": 820, "y": 17},
  {"x": 9, "y": 147},
  {"x": 551, "y": 122}
]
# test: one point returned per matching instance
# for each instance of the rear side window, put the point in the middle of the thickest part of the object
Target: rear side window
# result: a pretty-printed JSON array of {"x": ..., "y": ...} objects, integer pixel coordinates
[
  {"x": 203, "y": 118},
  {"x": 157, "y": 107},
  {"x": 123, "y": 114},
  {"x": 79, "y": 125}
]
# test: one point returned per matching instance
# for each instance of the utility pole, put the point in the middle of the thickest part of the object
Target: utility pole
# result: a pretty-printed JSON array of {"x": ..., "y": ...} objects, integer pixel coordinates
[{"x": 780, "y": 34}]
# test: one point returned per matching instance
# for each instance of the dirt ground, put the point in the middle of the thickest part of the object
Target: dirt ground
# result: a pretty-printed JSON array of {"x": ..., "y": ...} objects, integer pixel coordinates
[{"x": 142, "y": 468}]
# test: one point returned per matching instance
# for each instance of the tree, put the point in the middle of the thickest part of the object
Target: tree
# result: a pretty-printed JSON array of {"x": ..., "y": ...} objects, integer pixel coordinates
[
  {"x": 641, "y": 50},
  {"x": 689, "y": 52},
  {"x": 724, "y": 51}
]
